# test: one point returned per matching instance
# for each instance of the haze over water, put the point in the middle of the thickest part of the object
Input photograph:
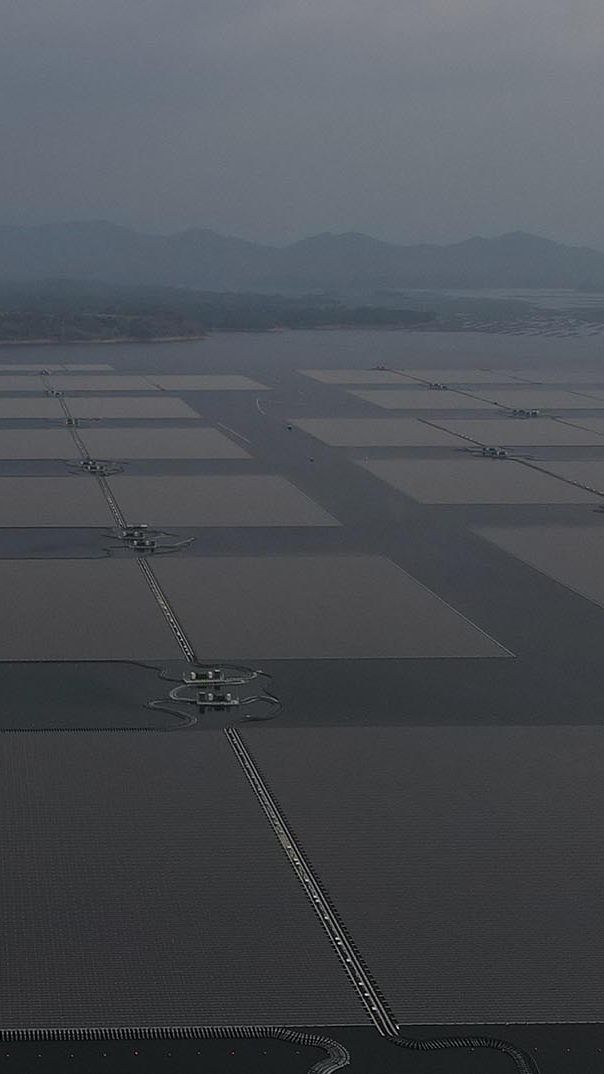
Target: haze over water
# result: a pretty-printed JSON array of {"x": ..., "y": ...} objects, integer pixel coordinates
[{"x": 324, "y": 349}]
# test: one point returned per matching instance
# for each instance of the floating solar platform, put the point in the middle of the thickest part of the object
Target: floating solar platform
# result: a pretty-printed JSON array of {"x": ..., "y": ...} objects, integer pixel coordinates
[
  {"x": 37, "y": 444},
  {"x": 84, "y": 367},
  {"x": 28, "y": 367},
  {"x": 474, "y": 480},
  {"x": 206, "y": 382},
  {"x": 543, "y": 398},
  {"x": 75, "y": 382},
  {"x": 18, "y": 407},
  {"x": 53, "y": 501},
  {"x": 465, "y": 862},
  {"x": 200, "y": 500},
  {"x": 376, "y": 432},
  {"x": 161, "y": 443},
  {"x": 421, "y": 399},
  {"x": 353, "y": 376},
  {"x": 517, "y": 432},
  {"x": 586, "y": 471},
  {"x": 314, "y": 608},
  {"x": 31, "y": 383},
  {"x": 80, "y": 610},
  {"x": 595, "y": 425},
  {"x": 144, "y": 407},
  {"x": 462, "y": 376},
  {"x": 142, "y": 886},
  {"x": 18, "y": 367},
  {"x": 571, "y": 555},
  {"x": 557, "y": 375}
]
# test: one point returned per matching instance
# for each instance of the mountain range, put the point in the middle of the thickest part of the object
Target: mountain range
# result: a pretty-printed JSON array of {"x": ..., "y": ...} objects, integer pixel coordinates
[{"x": 201, "y": 259}]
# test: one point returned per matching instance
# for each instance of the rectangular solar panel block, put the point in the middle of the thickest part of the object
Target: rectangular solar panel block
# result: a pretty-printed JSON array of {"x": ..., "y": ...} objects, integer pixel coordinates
[
  {"x": 143, "y": 407},
  {"x": 84, "y": 367},
  {"x": 31, "y": 383},
  {"x": 421, "y": 399},
  {"x": 161, "y": 443},
  {"x": 206, "y": 382},
  {"x": 520, "y": 432},
  {"x": 142, "y": 886},
  {"x": 463, "y": 376},
  {"x": 589, "y": 472},
  {"x": 353, "y": 376},
  {"x": 199, "y": 500},
  {"x": 376, "y": 432},
  {"x": 569, "y": 374},
  {"x": 53, "y": 501},
  {"x": 571, "y": 555},
  {"x": 37, "y": 444},
  {"x": 76, "y": 382},
  {"x": 543, "y": 398},
  {"x": 314, "y": 608},
  {"x": 64, "y": 609},
  {"x": 474, "y": 480},
  {"x": 37, "y": 367},
  {"x": 18, "y": 407},
  {"x": 595, "y": 425},
  {"x": 465, "y": 862},
  {"x": 28, "y": 367}
]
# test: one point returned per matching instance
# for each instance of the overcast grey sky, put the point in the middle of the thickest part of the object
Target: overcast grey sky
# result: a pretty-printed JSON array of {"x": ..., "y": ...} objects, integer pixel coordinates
[{"x": 274, "y": 119}]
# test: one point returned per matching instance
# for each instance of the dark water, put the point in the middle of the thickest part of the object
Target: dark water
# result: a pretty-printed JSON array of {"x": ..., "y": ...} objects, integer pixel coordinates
[
  {"x": 276, "y": 351},
  {"x": 559, "y": 678}
]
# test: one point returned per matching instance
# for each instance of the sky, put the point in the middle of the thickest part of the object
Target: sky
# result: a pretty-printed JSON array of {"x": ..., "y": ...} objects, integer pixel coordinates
[{"x": 410, "y": 120}]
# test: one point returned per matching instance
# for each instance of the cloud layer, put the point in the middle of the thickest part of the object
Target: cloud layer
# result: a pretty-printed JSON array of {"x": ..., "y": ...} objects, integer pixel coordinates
[{"x": 409, "y": 119}]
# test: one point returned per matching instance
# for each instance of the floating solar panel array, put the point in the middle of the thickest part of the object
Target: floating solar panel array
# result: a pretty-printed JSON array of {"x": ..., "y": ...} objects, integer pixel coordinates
[{"x": 157, "y": 886}]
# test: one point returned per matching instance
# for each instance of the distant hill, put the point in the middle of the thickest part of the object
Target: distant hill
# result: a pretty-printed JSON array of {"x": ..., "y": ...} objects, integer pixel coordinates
[
  {"x": 76, "y": 311},
  {"x": 203, "y": 260}
]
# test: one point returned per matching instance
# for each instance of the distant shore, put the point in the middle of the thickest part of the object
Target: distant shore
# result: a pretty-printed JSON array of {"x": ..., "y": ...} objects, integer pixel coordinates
[
  {"x": 554, "y": 326},
  {"x": 207, "y": 335},
  {"x": 85, "y": 342}
]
